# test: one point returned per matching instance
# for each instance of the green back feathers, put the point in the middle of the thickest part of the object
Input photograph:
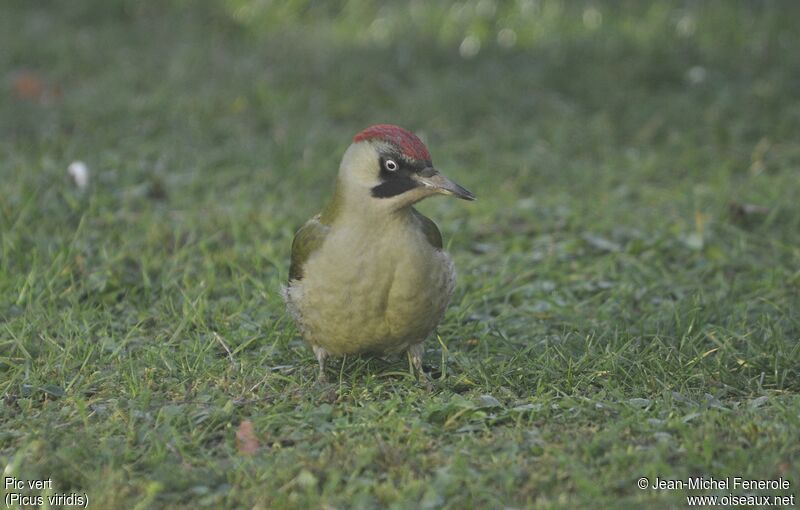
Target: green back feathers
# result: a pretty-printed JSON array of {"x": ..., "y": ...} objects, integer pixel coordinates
[
  {"x": 430, "y": 229},
  {"x": 307, "y": 240}
]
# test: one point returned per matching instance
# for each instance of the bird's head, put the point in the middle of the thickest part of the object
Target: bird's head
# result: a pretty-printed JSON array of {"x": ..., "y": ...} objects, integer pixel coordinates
[{"x": 392, "y": 168}]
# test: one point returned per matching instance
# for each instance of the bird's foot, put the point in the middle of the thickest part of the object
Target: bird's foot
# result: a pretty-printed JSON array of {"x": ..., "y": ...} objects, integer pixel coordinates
[
  {"x": 322, "y": 357},
  {"x": 415, "y": 362},
  {"x": 425, "y": 380}
]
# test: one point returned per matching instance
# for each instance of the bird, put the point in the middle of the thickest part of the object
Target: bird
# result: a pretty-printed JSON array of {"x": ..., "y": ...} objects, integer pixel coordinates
[{"x": 368, "y": 274}]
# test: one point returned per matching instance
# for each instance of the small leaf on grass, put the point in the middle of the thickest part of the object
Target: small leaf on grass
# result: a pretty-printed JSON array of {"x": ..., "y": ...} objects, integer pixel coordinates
[
  {"x": 488, "y": 401},
  {"x": 53, "y": 391},
  {"x": 49, "y": 391},
  {"x": 639, "y": 402},
  {"x": 524, "y": 408},
  {"x": 758, "y": 402},
  {"x": 678, "y": 397},
  {"x": 600, "y": 243},
  {"x": 663, "y": 437},
  {"x": 457, "y": 405},
  {"x": 689, "y": 417},
  {"x": 714, "y": 403},
  {"x": 459, "y": 409},
  {"x": 246, "y": 440}
]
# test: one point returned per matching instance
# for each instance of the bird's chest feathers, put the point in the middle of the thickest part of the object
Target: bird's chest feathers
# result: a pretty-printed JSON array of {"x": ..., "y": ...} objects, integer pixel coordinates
[
  {"x": 375, "y": 264},
  {"x": 375, "y": 287}
]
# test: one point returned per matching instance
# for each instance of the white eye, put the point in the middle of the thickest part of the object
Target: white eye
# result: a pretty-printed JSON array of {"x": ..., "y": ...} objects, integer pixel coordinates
[{"x": 390, "y": 165}]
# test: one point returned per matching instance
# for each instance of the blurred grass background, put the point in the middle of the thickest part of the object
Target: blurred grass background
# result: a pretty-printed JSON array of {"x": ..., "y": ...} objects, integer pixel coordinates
[{"x": 628, "y": 295}]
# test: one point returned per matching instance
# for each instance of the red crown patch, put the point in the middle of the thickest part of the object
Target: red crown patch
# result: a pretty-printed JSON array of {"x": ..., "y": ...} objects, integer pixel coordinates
[{"x": 406, "y": 141}]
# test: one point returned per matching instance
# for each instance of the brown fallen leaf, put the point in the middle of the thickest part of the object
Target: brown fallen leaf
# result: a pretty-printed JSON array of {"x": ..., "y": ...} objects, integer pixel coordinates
[
  {"x": 29, "y": 86},
  {"x": 246, "y": 440}
]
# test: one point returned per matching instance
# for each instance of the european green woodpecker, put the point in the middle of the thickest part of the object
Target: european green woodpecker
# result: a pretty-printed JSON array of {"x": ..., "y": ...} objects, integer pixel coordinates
[{"x": 368, "y": 274}]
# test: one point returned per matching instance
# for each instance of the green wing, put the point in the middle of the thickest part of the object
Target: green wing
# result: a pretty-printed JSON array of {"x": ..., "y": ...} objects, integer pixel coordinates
[
  {"x": 307, "y": 240},
  {"x": 430, "y": 229}
]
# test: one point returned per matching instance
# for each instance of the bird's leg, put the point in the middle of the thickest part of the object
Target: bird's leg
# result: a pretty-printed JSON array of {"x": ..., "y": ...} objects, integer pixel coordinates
[
  {"x": 415, "y": 362},
  {"x": 322, "y": 356}
]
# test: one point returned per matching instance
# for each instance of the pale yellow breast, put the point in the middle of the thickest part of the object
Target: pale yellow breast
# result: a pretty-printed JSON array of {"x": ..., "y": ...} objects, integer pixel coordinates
[{"x": 372, "y": 290}]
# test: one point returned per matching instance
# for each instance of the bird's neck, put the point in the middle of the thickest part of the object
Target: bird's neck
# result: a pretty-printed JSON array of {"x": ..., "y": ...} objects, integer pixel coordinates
[{"x": 354, "y": 210}]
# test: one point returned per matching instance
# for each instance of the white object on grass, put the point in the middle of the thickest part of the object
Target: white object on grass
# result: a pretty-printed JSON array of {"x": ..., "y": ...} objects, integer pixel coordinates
[{"x": 79, "y": 173}]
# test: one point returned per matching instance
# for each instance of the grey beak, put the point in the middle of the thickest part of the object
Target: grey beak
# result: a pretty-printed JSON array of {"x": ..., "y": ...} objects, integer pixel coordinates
[{"x": 431, "y": 178}]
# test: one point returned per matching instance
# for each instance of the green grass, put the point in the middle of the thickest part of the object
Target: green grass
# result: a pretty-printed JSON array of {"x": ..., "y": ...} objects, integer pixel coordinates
[{"x": 617, "y": 315}]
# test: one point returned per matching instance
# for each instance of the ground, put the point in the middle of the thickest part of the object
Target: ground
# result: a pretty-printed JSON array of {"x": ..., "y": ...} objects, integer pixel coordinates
[{"x": 627, "y": 302}]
